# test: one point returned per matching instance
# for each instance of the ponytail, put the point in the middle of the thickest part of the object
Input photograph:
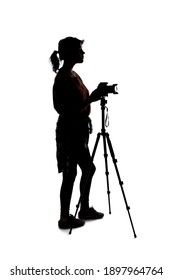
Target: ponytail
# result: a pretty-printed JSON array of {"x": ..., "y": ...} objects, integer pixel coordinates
[{"x": 55, "y": 61}]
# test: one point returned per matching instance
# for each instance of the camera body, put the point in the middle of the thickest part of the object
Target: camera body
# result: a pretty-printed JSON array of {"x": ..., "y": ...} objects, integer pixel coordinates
[{"x": 108, "y": 88}]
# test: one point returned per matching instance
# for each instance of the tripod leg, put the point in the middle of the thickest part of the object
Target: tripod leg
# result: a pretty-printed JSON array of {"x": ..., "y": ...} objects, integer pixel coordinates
[
  {"x": 87, "y": 175},
  {"x": 106, "y": 169},
  {"x": 119, "y": 179}
]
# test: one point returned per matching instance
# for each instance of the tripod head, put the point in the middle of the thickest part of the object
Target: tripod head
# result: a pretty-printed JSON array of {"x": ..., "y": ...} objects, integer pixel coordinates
[{"x": 105, "y": 90}]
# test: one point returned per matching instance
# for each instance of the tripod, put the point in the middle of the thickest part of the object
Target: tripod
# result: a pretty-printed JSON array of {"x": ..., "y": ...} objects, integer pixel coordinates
[{"x": 106, "y": 141}]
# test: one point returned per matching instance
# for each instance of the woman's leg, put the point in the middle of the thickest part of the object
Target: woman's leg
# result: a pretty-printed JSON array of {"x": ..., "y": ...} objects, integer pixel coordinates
[
  {"x": 88, "y": 170},
  {"x": 69, "y": 176}
]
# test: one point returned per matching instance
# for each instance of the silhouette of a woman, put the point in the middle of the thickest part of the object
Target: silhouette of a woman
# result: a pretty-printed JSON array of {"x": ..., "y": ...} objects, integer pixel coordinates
[{"x": 72, "y": 101}]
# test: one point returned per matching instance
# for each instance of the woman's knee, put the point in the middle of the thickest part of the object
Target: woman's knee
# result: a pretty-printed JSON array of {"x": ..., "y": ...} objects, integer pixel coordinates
[
  {"x": 89, "y": 169},
  {"x": 70, "y": 174},
  {"x": 93, "y": 169}
]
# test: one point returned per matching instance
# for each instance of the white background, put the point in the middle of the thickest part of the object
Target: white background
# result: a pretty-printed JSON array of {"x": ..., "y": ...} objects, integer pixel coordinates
[{"x": 126, "y": 42}]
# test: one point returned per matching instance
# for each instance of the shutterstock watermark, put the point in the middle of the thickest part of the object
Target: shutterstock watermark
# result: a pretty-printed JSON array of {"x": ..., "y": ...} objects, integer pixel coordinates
[{"x": 65, "y": 271}]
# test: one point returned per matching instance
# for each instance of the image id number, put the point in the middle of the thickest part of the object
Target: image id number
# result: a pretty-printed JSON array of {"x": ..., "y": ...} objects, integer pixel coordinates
[{"x": 133, "y": 271}]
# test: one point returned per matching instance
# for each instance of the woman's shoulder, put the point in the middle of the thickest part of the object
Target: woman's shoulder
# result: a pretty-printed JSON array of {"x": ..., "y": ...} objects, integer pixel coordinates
[
  {"x": 60, "y": 76},
  {"x": 76, "y": 75}
]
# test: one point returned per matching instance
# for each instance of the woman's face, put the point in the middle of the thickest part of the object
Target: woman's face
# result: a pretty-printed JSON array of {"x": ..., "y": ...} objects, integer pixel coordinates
[{"x": 78, "y": 55}]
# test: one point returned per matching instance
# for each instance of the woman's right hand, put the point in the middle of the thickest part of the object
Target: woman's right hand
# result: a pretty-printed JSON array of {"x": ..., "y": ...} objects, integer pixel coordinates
[{"x": 96, "y": 94}]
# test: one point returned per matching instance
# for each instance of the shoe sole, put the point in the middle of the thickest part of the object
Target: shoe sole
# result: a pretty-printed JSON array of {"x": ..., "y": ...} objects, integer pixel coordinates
[{"x": 71, "y": 226}]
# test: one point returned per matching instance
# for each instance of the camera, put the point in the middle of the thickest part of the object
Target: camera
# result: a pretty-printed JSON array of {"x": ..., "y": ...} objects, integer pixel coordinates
[{"x": 108, "y": 88}]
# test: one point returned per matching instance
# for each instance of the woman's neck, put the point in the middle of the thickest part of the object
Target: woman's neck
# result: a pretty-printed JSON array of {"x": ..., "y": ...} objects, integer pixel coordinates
[{"x": 68, "y": 67}]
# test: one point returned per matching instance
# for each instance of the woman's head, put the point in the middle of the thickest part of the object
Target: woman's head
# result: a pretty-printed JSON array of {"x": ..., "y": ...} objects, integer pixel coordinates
[
  {"x": 69, "y": 50},
  {"x": 68, "y": 47}
]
